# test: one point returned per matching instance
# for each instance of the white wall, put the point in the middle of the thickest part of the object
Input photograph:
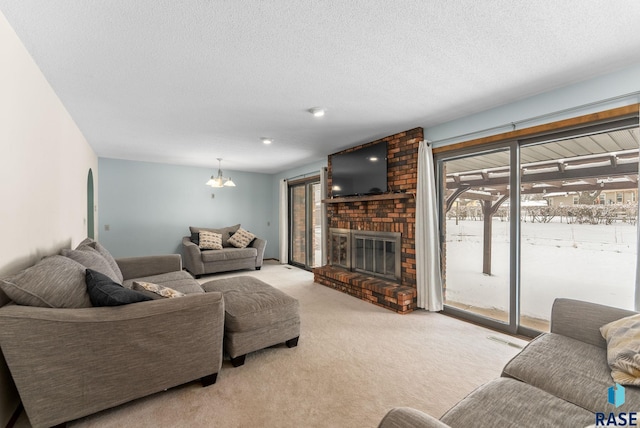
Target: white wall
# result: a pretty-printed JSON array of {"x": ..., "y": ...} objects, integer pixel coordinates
[{"x": 44, "y": 162}]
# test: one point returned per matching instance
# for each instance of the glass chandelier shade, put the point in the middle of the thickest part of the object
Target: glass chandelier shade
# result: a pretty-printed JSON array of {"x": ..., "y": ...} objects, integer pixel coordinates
[{"x": 218, "y": 180}]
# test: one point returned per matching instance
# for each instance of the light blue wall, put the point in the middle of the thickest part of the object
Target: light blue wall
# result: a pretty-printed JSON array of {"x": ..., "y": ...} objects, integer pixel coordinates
[
  {"x": 150, "y": 206},
  {"x": 593, "y": 91}
]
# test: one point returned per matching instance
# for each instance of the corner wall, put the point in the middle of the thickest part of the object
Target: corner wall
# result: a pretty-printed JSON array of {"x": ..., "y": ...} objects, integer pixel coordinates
[{"x": 44, "y": 164}]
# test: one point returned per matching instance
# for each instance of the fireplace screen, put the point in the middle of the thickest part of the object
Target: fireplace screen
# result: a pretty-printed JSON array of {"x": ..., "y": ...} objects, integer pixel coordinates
[
  {"x": 374, "y": 253},
  {"x": 341, "y": 248}
]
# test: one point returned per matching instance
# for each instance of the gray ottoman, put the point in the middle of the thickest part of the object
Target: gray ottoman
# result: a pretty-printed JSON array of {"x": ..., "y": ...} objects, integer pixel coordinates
[{"x": 256, "y": 316}]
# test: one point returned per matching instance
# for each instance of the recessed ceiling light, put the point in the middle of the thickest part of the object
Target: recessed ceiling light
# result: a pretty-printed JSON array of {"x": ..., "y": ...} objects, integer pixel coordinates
[
  {"x": 266, "y": 140},
  {"x": 317, "y": 111}
]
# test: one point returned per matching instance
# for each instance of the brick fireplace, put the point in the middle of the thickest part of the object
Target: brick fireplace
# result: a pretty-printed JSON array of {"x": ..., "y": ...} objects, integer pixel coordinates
[{"x": 392, "y": 213}]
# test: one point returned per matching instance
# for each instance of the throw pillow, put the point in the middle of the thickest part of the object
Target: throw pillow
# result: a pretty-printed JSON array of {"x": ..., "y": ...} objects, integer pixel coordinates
[
  {"x": 103, "y": 291},
  {"x": 210, "y": 241},
  {"x": 91, "y": 259},
  {"x": 226, "y": 232},
  {"x": 156, "y": 289},
  {"x": 195, "y": 238},
  {"x": 241, "y": 238},
  {"x": 54, "y": 282},
  {"x": 106, "y": 254},
  {"x": 623, "y": 349}
]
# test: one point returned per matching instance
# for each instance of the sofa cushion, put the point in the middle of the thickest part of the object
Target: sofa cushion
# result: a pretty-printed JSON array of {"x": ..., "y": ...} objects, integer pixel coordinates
[
  {"x": 179, "y": 280},
  {"x": 506, "y": 402},
  {"x": 103, "y": 291},
  {"x": 91, "y": 259},
  {"x": 210, "y": 240},
  {"x": 623, "y": 349},
  {"x": 242, "y": 238},
  {"x": 570, "y": 369},
  {"x": 226, "y": 232},
  {"x": 156, "y": 290},
  {"x": 229, "y": 254},
  {"x": 105, "y": 253},
  {"x": 54, "y": 282}
]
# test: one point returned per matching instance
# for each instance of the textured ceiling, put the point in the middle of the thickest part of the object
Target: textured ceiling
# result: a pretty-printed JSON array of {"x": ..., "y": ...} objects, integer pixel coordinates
[{"x": 185, "y": 82}]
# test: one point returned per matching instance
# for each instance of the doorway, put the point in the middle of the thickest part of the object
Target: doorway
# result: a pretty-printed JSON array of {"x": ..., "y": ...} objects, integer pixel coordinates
[
  {"x": 90, "y": 206},
  {"x": 305, "y": 213}
]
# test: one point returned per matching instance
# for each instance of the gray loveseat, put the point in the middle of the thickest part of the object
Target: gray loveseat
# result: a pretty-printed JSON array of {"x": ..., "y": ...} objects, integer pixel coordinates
[
  {"x": 70, "y": 362},
  {"x": 201, "y": 262},
  {"x": 560, "y": 379}
]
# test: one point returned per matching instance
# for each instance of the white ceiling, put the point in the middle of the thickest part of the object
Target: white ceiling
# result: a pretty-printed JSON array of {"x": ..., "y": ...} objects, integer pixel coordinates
[{"x": 185, "y": 82}]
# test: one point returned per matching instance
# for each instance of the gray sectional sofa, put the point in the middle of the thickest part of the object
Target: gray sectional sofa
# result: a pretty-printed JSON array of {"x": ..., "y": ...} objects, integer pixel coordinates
[
  {"x": 73, "y": 360},
  {"x": 201, "y": 261},
  {"x": 560, "y": 379}
]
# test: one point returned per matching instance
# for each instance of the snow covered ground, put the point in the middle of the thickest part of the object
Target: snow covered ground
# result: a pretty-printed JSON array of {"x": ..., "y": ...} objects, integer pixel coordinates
[{"x": 596, "y": 263}]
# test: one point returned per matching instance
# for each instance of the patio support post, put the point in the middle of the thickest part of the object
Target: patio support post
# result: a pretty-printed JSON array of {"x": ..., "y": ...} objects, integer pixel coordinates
[
  {"x": 487, "y": 215},
  {"x": 488, "y": 210}
]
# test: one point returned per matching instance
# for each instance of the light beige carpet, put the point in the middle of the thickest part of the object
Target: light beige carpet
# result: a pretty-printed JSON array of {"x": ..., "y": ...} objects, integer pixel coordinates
[{"x": 354, "y": 362}]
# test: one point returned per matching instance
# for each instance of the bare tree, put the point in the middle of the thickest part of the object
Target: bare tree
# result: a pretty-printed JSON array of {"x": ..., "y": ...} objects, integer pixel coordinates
[{"x": 588, "y": 197}]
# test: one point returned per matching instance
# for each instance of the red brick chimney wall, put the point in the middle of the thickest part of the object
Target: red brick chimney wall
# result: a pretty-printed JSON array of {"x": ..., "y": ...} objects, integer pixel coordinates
[{"x": 388, "y": 215}]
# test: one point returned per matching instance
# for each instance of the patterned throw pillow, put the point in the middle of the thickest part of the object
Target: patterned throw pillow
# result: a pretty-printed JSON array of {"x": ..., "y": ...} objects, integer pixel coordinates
[
  {"x": 241, "y": 238},
  {"x": 226, "y": 233},
  {"x": 623, "y": 343},
  {"x": 210, "y": 241},
  {"x": 160, "y": 290}
]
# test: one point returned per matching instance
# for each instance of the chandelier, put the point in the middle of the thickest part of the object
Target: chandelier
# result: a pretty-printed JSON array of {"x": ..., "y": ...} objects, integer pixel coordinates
[{"x": 219, "y": 180}]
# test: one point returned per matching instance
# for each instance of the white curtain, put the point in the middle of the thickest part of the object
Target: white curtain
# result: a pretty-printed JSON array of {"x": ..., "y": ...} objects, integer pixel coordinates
[
  {"x": 324, "y": 222},
  {"x": 284, "y": 222},
  {"x": 428, "y": 272}
]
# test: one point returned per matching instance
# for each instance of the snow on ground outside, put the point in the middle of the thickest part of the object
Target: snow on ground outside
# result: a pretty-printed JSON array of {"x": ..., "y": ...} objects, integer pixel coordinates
[{"x": 583, "y": 261}]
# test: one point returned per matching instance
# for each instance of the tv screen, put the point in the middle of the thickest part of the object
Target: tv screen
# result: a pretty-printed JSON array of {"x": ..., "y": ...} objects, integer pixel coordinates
[{"x": 360, "y": 172}]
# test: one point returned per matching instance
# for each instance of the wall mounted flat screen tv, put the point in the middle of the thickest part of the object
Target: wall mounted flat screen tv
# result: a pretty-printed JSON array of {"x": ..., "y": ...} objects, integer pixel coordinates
[{"x": 360, "y": 172}]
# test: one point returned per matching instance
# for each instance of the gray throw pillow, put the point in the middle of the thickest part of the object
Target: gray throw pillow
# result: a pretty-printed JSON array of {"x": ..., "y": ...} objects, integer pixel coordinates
[
  {"x": 54, "y": 282},
  {"x": 106, "y": 254},
  {"x": 91, "y": 259}
]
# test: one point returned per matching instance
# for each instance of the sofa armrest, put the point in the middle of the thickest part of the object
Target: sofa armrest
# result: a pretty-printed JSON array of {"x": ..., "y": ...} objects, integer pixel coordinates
[
  {"x": 139, "y": 267},
  {"x": 260, "y": 245},
  {"x": 582, "y": 320},
  {"x": 68, "y": 363},
  {"x": 192, "y": 256},
  {"x": 406, "y": 417}
]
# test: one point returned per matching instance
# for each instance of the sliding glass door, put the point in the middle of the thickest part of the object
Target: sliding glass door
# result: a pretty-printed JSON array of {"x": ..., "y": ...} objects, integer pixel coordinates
[
  {"x": 476, "y": 230},
  {"x": 305, "y": 223},
  {"x": 527, "y": 221},
  {"x": 578, "y": 211}
]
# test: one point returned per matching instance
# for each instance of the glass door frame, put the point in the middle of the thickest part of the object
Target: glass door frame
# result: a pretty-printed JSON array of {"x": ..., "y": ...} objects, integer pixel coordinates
[
  {"x": 308, "y": 183},
  {"x": 514, "y": 145},
  {"x": 514, "y": 232}
]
